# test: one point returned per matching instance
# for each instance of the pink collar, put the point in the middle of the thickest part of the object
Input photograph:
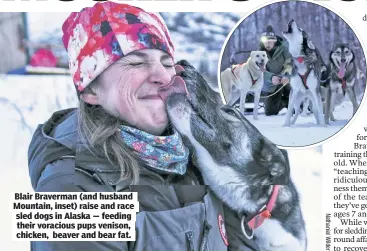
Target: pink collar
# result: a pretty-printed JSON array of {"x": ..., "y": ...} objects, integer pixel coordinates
[{"x": 265, "y": 212}]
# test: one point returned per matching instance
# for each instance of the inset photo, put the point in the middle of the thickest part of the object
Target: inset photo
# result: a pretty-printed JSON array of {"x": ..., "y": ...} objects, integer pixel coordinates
[{"x": 294, "y": 69}]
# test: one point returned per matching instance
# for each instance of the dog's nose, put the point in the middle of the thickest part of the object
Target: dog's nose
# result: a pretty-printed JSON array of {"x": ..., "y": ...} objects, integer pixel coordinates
[
  {"x": 343, "y": 60},
  {"x": 262, "y": 60}
]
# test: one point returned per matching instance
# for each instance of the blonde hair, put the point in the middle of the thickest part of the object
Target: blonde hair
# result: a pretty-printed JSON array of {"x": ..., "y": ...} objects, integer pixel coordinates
[{"x": 100, "y": 132}]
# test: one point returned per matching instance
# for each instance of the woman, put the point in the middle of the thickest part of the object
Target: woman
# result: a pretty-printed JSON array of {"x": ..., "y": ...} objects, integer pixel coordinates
[{"x": 119, "y": 138}]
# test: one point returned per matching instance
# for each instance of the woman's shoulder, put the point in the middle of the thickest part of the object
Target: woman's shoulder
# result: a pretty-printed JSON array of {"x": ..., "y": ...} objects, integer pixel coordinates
[
  {"x": 64, "y": 175},
  {"x": 57, "y": 176},
  {"x": 52, "y": 141}
]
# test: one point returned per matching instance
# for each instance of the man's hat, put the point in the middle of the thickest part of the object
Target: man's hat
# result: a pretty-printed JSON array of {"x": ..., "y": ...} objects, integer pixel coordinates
[{"x": 269, "y": 34}]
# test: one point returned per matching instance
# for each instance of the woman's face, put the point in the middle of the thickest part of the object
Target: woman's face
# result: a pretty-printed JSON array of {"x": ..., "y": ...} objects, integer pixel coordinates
[{"x": 128, "y": 89}]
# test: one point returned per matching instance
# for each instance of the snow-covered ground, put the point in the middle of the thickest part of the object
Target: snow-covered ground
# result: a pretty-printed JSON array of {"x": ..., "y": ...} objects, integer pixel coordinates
[
  {"x": 26, "y": 101},
  {"x": 305, "y": 131}
]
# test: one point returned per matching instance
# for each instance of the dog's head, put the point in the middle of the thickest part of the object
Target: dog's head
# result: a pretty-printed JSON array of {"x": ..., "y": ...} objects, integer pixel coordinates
[
  {"x": 340, "y": 57},
  {"x": 259, "y": 59},
  {"x": 299, "y": 42},
  {"x": 221, "y": 137}
]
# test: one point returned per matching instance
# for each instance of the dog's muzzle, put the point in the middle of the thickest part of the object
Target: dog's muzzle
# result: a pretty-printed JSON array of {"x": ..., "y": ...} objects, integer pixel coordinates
[{"x": 290, "y": 29}]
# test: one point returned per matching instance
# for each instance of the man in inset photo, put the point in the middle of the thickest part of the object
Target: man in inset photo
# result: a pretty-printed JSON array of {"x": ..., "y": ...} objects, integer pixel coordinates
[{"x": 278, "y": 71}]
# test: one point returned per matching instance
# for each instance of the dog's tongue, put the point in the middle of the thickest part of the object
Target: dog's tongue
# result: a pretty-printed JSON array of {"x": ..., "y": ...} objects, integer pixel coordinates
[
  {"x": 179, "y": 69},
  {"x": 341, "y": 72},
  {"x": 177, "y": 85},
  {"x": 262, "y": 67}
]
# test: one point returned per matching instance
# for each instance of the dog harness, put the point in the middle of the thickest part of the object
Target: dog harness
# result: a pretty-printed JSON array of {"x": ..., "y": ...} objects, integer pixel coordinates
[
  {"x": 264, "y": 213},
  {"x": 252, "y": 79},
  {"x": 304, "y": 77},
  {"x": 344, "y": 83},
  {"x": 234, "y": 68}
]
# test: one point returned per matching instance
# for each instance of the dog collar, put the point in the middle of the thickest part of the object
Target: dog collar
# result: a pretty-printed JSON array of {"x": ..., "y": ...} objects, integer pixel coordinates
[{"x": 264, "y": 213}]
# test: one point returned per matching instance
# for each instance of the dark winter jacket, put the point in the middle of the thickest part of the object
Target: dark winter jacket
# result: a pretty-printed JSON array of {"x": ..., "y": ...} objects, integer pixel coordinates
[
  {"x": 280, "y": 63},
  {"x": 172, "y": 208}
]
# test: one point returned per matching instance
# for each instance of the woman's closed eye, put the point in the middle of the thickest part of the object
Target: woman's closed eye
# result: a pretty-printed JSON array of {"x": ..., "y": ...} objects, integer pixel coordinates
[
  {"x": 168, "y": 65},
  {"x": 136, "y": 63}
]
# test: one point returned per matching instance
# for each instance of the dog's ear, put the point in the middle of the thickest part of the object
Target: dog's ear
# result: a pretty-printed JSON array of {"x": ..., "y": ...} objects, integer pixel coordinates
[
  {"x": 330, "y": 58},
  {"x": 287, "y": 172}
]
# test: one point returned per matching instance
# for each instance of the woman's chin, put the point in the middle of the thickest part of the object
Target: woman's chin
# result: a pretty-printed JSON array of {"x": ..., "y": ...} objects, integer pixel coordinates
[
  {"x": 157, "y": 129},
  {"x": 161, "y": 122},
  {"x": 158, "y": 122}
]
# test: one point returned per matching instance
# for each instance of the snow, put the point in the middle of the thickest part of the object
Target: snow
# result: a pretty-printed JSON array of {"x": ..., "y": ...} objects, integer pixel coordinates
[{"x": 305, "y": 131}]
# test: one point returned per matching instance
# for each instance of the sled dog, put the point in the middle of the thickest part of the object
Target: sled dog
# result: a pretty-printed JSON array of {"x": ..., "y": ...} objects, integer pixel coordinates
[
  {"x": 241, "y": 79},
  {"x": 243, "y": 168},
  {"x": 343, "y": 78},
  {"x": 309, "y": 70}
]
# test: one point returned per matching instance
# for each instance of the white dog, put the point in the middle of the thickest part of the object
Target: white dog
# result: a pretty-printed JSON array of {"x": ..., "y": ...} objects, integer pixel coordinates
[
  {"x": 238, "y": 80},
  {"x": 305, "y": 81}
]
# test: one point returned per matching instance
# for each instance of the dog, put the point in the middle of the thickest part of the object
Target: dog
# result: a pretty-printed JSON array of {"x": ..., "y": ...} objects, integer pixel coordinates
[
  {"x": 238, "y": 80},
  {"x": 238, "y": 163},
  {"x": 309, "y": 70},
  {"x": 343, "y": 78}
]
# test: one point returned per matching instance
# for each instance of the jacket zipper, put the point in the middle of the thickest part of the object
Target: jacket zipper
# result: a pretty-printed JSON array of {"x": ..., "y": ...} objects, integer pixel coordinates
[
  {"x": 204, "y": 242},
  {"x": 189, "y": 237}
]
